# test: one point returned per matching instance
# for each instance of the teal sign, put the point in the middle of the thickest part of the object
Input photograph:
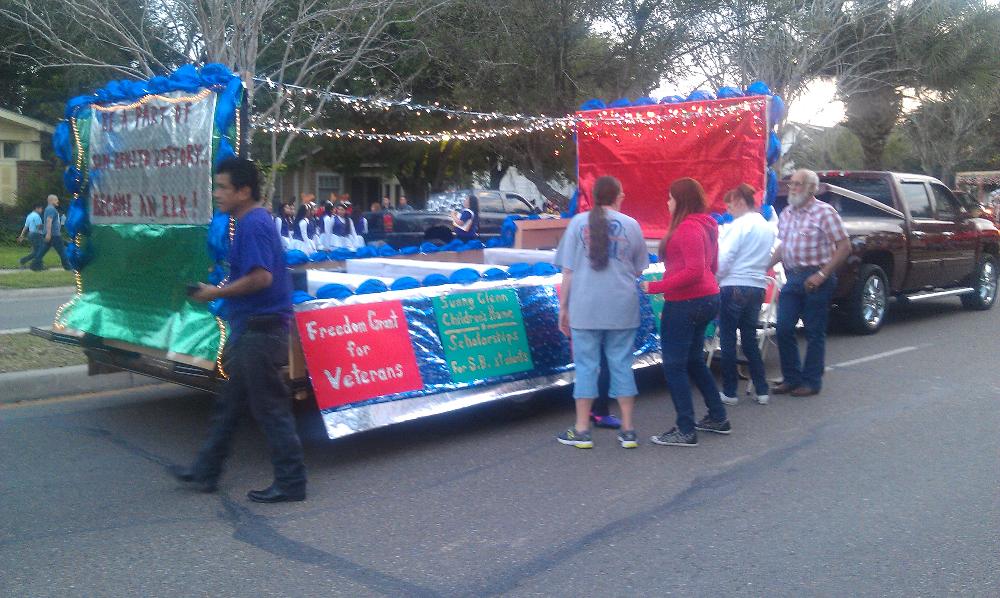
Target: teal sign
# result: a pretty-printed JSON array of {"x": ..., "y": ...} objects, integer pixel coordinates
[{"x": 483, "y": 334}]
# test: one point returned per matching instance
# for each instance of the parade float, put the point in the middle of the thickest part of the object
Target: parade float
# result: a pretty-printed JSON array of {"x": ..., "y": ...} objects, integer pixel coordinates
[{"x": 380, "y": 335}]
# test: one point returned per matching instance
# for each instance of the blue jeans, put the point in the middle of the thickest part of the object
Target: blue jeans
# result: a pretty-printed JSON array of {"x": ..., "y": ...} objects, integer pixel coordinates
[
  {"x": 814, "y": 310},
  {"x": 255, "y": 385},
  {"x": 682, "y": 344},
  {"x": 740, "y": 310},
  {"x": 617, "y": 346}
]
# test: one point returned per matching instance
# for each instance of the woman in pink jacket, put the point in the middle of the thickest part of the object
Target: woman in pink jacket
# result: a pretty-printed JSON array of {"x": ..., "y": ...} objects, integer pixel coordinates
[{"x": 690, "y": 252}]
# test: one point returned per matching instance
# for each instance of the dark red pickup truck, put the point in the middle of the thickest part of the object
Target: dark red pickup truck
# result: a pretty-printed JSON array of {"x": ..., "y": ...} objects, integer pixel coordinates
[{"x": 910, "y": 239}]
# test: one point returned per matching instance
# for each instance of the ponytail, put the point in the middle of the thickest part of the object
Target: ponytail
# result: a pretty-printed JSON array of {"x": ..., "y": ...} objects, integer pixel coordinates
[{"x": 606, "y": 191}]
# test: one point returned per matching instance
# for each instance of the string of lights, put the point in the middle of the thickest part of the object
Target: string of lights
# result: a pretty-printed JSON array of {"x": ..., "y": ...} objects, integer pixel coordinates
[
  {"x": 614, "y": 123},
  {"x": 639, "y": 114}
]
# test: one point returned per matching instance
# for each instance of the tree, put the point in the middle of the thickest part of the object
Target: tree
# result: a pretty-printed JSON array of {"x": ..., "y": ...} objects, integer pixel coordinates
[
  {"x": 310, "y": 43},
  {"x": 937, "y": 46},
  {"x": 948, "y": 129}
]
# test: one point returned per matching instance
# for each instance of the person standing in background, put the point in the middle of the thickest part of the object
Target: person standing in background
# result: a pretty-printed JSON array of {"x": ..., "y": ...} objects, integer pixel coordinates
[
  {"x": 52, "y": 228},
  {"x": 690, "y": 253},
  {"x": 813, "y": 245},
  {"x": 745, "y": 247},
  {"x": 35, "y": 232},
  {"x": 601, "y": 255}
]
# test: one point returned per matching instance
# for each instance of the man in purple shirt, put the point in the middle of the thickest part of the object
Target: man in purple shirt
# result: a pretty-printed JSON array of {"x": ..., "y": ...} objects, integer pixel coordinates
[{"x": 258, "y": 301}]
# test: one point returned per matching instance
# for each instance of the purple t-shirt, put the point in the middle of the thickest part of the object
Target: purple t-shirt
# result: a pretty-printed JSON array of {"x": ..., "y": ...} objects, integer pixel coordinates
[{"x": 256, "y": 245}]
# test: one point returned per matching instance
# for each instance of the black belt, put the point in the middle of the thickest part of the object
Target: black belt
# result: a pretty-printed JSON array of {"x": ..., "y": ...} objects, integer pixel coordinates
[
  {"x": 267, "y": 323},
  {"x": 802, "y": 270}
]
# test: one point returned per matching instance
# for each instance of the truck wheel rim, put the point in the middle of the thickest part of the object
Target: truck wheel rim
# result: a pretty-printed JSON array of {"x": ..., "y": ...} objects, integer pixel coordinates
[
  {"x": 987, "y": 283},
  {"x": 873, "y": 302}
]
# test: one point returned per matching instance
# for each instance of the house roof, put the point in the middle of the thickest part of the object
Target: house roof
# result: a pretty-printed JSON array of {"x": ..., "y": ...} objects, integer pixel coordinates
[{"x": 25, "y": 121}]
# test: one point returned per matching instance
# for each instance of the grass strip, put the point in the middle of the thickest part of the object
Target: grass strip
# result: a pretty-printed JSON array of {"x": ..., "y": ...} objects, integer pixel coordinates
[
  {"x": 36, "y": 280},
  {"x": 11, "y": 254},
  {"x": 20, "y": 352}
]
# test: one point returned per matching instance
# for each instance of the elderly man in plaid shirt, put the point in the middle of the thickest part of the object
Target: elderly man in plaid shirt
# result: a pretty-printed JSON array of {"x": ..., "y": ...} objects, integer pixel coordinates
[{"x": 813, "y": 245}]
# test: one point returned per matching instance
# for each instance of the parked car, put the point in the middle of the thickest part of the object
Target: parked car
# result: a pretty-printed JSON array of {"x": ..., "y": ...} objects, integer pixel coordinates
[
  {"x": 401, "y": 228},
  {"x": 910, "y": 239}
]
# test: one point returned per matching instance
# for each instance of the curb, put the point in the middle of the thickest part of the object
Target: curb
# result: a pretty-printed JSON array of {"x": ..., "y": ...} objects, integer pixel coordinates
[{"x": 32, "y": 385}]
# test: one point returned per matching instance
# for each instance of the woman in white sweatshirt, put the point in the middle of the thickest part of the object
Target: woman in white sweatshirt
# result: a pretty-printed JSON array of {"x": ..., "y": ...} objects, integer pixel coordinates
[{"x": 745, "y": 247}]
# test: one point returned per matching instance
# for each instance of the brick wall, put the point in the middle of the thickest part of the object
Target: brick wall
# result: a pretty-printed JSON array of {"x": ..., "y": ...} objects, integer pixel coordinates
[{"x": 29, "y": 171}]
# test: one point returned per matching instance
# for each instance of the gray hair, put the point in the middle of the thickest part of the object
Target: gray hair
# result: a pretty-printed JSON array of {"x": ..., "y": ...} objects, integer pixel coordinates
[
  {"x": 51, "y": 197},
  {"x": 811, "y": 177}
]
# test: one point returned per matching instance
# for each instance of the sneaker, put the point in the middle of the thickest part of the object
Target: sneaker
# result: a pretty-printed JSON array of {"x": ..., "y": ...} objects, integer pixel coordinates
[
  {"x": 674, "y": 437},
  {"x": 763, "y": 399},
  {"x": 708, "y": 425},
  {"x": 628, "y": 439},
  {"x": 578, "y": 439},
  {"x": 728, "y": 400},
  {"x": 606, "y": 421}
]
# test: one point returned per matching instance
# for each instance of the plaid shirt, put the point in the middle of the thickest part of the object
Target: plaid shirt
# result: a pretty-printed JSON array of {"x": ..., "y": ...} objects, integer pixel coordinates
[{"x": 809, "y": 235}]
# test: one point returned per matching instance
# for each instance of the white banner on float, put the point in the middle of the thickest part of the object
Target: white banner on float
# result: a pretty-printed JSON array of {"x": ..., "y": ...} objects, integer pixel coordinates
[{"x": 152, "y": 163}]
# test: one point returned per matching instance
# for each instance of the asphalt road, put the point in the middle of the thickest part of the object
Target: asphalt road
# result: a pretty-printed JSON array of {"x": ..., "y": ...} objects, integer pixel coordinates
[
  {"x": 887, "y": 484},
  {"x": 31, "y": 307}
]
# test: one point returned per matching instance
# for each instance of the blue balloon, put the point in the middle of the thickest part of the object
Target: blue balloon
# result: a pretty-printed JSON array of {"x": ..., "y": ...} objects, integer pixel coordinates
[
  {"x": 387, "y": 251},
  {"x": 495, "y": 274},
  {"x": 300, "y": 297},
  {"x": 294, "y": 257},
  {"x": 758, "y": 88},
  {"x": 404, "y": 282},
  {"x": 334, "y": 291},
  {"x": 428, "y": 247},
  {"x": 644, "y": 101},
  {"x": 620, "y": 103},
  {"x": 61, "y": 142},
  {"x": 767, "y": 211},
  {"x": 370, "y": 286},
  {"x": 519, "y": 270},
  {"x": 777, "y": 110},
  {"x": 725, "y": 93},
  {"x": 772, "y": 186},
  {"x": 773, "y": 148},
  {"x": 366, "y": 252},
  {"x": 411, "y": 250},
  {"x": 700, "y": 95},
  {"x": 544, "y": 269},
  {"x": 671, "y": 99},
  {"x": 434, "y": 280},
  {"x": 464, "y": 276},
  {"x": 653, "y": 258},
  {"x": 593, "y": 104}
]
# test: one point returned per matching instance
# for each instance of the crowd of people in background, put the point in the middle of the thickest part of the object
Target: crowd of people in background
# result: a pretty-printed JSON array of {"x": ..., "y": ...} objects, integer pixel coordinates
[{"x": 709, "y": 274}]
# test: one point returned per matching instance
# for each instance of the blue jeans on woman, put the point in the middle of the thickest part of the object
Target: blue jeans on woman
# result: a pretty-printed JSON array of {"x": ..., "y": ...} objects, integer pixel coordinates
[
  {"x": 813, "y": 307},
  {"x": 741, "y": 311},
  {"x": 682, "y": 344}
]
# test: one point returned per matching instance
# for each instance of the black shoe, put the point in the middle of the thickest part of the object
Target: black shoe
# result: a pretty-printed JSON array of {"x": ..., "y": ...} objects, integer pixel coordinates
[
  {"x": 707, "y": 424},
  {"x": 186, "y": 475},
  {"x": 674, "y": 437},
  {"x": 274, "y": 494}
]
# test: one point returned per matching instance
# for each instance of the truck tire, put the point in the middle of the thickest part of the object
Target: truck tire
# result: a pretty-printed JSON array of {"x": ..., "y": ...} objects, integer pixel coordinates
[
  {"x": 985, "y": 283},
  {"x": 869, "y": 299}
]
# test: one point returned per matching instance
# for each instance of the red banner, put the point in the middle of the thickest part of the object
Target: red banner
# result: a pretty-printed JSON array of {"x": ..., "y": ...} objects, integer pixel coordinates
[
  {"x": 720, "y": 143},
  {"x": 358, "y": 352}
]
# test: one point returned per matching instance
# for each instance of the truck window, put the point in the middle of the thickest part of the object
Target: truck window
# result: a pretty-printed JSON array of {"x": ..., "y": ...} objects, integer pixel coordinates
[
  {"x": 944, "y": 204},
  {"x": 875, "y": 188},
  {"x": 516, "y": 205},
  {"x": 490, "y": 202},
  {"x": 916, "y": 200},
  {"x": 849, "y": 208}
]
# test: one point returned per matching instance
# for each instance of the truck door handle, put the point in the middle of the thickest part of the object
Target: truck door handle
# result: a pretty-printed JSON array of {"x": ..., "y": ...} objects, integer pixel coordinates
[
  {"x": 948, "y": 234},
  {"x": 918, "y": 233}
]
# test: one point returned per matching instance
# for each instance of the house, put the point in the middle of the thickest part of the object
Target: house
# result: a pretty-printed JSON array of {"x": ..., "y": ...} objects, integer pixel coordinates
[
  {"x": 21, "y": 141},
  {"x": 369, "y": 183}
]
